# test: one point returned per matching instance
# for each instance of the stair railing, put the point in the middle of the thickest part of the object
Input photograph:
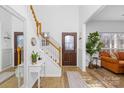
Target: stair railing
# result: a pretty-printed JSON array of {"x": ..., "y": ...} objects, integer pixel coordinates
[{"x": 51, "y": 48}]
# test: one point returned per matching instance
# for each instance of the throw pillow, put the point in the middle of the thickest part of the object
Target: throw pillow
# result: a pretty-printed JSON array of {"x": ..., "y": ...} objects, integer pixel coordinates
[
  {"x": 104, "y": 53},
  {"x": 113, "y": 56},
  {"x": 116, "y": 54}
]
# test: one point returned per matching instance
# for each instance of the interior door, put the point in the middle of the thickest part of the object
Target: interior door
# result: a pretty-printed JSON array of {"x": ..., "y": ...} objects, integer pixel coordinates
[
  {"x": 18, "y": 42},
  {"x": 69, "y": 48}
]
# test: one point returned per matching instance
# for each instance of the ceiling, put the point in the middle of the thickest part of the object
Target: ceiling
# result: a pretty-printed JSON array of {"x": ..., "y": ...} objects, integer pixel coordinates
[{"x": 110, "y": 13}]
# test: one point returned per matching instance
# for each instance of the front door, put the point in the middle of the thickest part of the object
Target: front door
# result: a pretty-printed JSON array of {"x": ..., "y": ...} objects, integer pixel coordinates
[
  {"x": 18, "y": 43},
  {"x": 69, "y": 48}
]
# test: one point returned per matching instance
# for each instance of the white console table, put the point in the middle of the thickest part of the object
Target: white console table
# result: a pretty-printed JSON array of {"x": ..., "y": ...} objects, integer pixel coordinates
[
  {"x": 35, "y": 68},
  {"x": 19, "y": 73}
]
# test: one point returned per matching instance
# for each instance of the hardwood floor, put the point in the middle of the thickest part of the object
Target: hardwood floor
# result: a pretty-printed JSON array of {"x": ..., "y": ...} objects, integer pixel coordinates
[
  {"x": 92, "y": 77},
  {"x": 12, "y": 82},
  {"x": 57, "y": 82}
]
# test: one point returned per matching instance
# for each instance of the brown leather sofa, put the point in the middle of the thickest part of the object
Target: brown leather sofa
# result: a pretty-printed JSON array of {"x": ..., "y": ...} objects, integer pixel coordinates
[{"x": 115, "y": 65}]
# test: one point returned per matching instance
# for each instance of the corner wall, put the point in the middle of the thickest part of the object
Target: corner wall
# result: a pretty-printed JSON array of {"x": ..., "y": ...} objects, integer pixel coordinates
[{"x": 85, "y": 12}]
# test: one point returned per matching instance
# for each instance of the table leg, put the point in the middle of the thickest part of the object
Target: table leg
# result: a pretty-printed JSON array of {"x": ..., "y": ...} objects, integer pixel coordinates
[{"x": 38, "y": 79}]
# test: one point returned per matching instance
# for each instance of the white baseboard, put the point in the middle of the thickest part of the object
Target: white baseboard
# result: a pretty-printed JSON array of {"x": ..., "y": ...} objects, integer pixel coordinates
[
  {"x": 6, "y": 68},
  {"x": 51, "y": 75}
]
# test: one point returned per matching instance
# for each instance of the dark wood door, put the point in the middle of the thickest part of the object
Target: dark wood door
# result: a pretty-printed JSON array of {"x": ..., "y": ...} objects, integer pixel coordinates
[
  {"x": 17, "y": 35},
  {"x": 69, "y": 48}
]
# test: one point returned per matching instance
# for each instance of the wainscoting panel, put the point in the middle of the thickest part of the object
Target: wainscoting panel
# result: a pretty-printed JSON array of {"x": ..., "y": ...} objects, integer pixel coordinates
[{"x": 6, "y": 58}]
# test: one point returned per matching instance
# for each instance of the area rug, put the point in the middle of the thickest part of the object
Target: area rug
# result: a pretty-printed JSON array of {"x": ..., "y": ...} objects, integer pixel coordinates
[
  {"x": 104, "y": 76},
  {"x": 75, "y": 80},
  {"x": 5, "y": 76},
  {"x": 108, "y": 77},
  {"x": 91, "y": 81}
]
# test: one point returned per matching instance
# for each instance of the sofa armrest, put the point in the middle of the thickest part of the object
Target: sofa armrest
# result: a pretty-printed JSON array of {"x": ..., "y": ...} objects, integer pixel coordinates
[{"x": 109, "y": 59}]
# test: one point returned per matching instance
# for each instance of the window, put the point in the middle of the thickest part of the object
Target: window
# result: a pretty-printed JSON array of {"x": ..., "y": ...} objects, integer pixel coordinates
[
  {"x": 69, "y": 42},
  {"x": 112, "y": 41}
]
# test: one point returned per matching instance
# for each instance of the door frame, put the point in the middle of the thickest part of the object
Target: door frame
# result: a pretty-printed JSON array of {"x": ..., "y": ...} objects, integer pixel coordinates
[
  {"x": 76, "y": 64},
  {"x": 15, "y": 43}
]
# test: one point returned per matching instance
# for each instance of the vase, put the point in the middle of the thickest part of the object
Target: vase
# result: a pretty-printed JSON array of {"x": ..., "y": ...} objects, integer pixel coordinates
[{"x": 34, "y": 61}]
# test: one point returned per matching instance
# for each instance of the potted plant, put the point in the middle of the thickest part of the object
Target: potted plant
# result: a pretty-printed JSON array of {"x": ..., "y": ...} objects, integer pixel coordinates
[
  {"x": 93, "y": 45},
  {"x": 34, "y": 57}
]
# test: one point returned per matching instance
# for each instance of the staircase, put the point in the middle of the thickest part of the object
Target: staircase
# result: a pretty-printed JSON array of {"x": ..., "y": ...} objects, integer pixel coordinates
[{"x": 50, "y": 50}]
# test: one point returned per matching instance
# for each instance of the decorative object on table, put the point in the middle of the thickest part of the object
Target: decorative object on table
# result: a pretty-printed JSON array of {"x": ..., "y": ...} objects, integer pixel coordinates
[
  {"x": 34, "y": 57},
  {"x": 39, "y": 58},
  {"x": 93, "y": 45},
  {"x": 33, "y": 41}
]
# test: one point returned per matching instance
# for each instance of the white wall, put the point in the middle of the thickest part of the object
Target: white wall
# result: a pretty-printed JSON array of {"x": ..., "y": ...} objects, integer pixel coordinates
[
  {"x": 85, "y": 13},
  {"x": 6, "y": 44},
  {"x": 57, "y": 19},
  {"x": 6, "y": 25},
  {"x": 105, "y": 26}
]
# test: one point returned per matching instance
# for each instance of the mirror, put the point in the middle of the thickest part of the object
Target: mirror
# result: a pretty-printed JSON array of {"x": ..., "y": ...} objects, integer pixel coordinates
[{"x": 11, "y": 39}]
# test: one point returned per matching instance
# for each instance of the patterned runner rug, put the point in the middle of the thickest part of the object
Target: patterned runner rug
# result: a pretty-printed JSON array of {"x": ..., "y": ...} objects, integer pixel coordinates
[{"x": 75, "y": 80}]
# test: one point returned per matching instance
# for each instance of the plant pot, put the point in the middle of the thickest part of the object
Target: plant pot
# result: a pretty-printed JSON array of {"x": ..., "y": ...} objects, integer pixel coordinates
[
  {"x": 34, "y": 61},
  {"x": 91, "y": 66}
]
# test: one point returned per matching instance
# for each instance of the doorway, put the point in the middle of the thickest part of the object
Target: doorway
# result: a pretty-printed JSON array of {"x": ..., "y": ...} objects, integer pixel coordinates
[
  {"x": 18, "y": 43},
  {"x": 69, "y": 48}
]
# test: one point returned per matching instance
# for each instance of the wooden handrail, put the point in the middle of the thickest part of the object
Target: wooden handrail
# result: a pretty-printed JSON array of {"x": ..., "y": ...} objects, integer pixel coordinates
[
  {"x": 35, "y": 18},
  {"x": 39, "y": 28},
  {"x": 48, "y": 40},
  {"x": 33, "y": 12},
  {"x": 58, "y": 48}
]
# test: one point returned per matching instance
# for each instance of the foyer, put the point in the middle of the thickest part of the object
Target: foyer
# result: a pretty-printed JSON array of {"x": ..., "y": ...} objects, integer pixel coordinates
[{"x": 48, "y": 47}]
